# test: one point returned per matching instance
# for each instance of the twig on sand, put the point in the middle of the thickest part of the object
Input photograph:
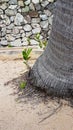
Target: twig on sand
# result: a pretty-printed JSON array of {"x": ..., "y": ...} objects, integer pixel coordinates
[{"x": 54, "y": 111}]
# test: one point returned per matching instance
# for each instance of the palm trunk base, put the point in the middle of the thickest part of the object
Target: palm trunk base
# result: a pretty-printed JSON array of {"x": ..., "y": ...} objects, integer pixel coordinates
[
  {"x": 41, "y": 78},
  {"x": 53, "y": 71}
]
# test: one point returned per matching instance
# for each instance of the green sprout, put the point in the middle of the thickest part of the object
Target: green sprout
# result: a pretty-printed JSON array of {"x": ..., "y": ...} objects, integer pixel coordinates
[
  {"x": 26, "y": 56},
  {"x": 9, "y": 45},
  {"x": 26, "y": 53},
  {"x": 28, "y": 39},
  {"x": 37, "y": 36},
  {"x": 23, "y": 85},
  {"x": 42, "y": 44}
]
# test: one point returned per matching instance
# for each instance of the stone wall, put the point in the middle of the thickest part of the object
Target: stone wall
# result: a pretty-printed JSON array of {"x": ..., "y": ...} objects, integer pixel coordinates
[{"x": 24, "y": 18}]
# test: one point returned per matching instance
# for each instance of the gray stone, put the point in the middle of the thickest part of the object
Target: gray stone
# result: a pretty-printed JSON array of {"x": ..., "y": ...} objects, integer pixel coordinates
[
  {"x": 31, "y": 6},
  {"x": 45, "y": 3},
  {"x": 0, "y": 35},
  {"x": 19, "y": 10},
  {"x": 43, "y": 17},
  {"x": 15, "y": 30},
  {"x": 2, "y": 1},
  {"x": 1, "y": 11},
  {"x": 23, "y": 35},
  {"x": 41, "y": 1},
  {"x": 7, "y": 20},
  {"x": 36, "y": 30},
  {"x": 2, "y": 25},
  {"x": 27, "y": 28},
  {"x": 50, "y": 19},
  {"x": 49, "y": 32},
  {"x": 15, "y": 35},
  {"x": 3, "y": 22},
  {"x": 2, "y": 17},
  {"x": 4, "y": 6},
  {"x": 12, "y": 7},
  {"x": 28, "y": 34},
  {"x": 14, "y": 2},
  {"x": 51, "y": 0},
  {"x": 19, "y": 19},
  {"x": 16, "y": 43},
  {"x": 35, "y": 20},
  {"x": 21, "y": 3},
  {"x": 38, "y": 7},
  {"x": 27, "y": 19},
  {"x": 8, "y": 31},
  {"x": 24, "y": 41},
  {"x": 3, "y": 30},
  {"x": 3, "y": 34},
  {"x": 10, "y": 38},
  {"x": 11, "y": 26},
  {"x": 44, "y": 24},
  {"x": 21, "y": 31},
  {"x": 50, "y": 27},
  {"x": 10, "y": 12},
  {"x": 27, "y": 2},
  {"x": 19, "y": 27},
  {"x": 47, "y": 12},
  {"x": 12, "y": 18},
  {"x": 4, "y": 42},
  {"x": 25, "y": 10},
  {"x": 35, "y": 25},
  {"x": 18, "y": 36},
  {"x": 35, "y": 1},
  {"x": 33, "y": 42}
]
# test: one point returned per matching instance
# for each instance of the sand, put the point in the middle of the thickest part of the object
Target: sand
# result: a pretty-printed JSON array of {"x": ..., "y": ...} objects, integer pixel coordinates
[{"x": 21, "y": 112}]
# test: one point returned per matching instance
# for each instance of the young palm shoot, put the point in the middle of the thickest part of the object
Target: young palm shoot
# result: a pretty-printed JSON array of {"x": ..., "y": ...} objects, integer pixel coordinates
[
  {"x": 26, "y": 56},
  {"x": 23, "y": 85},
  {"x": 42, "y": 44}
]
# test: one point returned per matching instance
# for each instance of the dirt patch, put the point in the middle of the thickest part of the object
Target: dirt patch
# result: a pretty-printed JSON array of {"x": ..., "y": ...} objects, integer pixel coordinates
[{"x": 29, "y": 109}]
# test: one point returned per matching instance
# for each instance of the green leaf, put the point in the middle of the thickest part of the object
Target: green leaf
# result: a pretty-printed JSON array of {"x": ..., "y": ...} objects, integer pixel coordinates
[
  {"x": 28, "y": 39},
  {"x": 9, "y": 45},
  {"x": 26, "y": 53},
  {"x": 44, "y": 43},
  {"x": 22, "y": 85},
  {"x": 40, "y": 44},
  {"x": 38, "y": 36},
  {"x": 29, "y": 51}
]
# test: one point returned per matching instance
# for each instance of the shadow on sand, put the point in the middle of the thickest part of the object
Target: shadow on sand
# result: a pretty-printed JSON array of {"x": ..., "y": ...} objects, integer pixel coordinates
[{"x": 35, "y": 96}]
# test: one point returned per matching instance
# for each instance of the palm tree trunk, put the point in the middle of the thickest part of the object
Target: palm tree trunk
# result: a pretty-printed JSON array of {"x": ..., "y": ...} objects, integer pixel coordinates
[{"x": 53, "y": 70}]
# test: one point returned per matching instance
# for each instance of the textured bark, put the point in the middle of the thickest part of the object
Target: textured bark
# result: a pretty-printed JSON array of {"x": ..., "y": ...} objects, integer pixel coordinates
[{"x": 53, "y": 70}]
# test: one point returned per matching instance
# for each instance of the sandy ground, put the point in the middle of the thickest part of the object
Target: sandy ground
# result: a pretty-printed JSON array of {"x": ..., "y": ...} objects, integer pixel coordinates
[{"x": 27, "y": 112}]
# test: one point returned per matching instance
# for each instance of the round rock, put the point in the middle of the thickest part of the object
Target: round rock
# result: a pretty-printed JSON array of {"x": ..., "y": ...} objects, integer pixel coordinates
[
  {"x": 1, "y": 11},
  {"x": 35, "y": 20},
  {"x": 35, "y": 1},
  {"x": 43, "y": 17},
  {"x": 16, "y": 43},
  {"x": 33, "y": 42},
  {"x": 10, "y": 12},
  {"x": 27, "y": 28},
  {"x": 44, "y": 24},
  {"x": 19, "y": 19},
  {"x": 36, "y": 30},
  {"x": 10, "y": 38},
  {"x": 14, "y": 2},
  {"x": 4, "y": 43}
]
